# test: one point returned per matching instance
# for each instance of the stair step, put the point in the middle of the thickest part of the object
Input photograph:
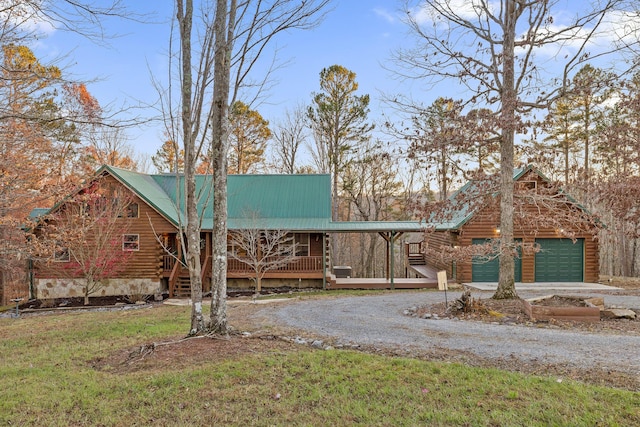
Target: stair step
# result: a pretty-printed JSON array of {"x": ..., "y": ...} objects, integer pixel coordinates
[
  {"x": 182, "y": 287},
  {"x": 416, "y": 260}
]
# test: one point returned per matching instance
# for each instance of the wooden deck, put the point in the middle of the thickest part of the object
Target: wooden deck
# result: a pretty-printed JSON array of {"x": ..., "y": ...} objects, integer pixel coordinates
[
  {"x": 428, "y": 280},
  {"x": 369, "y": 283}
]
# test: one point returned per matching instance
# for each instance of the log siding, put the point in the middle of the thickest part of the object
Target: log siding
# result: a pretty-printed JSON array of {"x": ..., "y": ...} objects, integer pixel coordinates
[{"x": 484, "y": 225}]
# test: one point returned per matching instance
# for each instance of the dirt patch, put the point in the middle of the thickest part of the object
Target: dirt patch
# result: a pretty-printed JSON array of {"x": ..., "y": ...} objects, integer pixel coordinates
[
  {"x": 561, "y": 301},
  {"x": 183, "y": 352}
]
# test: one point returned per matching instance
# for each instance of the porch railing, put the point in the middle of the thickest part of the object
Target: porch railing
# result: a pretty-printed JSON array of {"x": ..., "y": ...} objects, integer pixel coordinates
[
  {"x": 168, "y": 261},
  {"x": 300, "y": 265},
  {"x": 414, "y": 248}
]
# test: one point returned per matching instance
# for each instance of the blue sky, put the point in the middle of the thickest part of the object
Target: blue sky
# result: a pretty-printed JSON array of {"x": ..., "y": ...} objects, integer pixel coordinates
[{"x": 356, "y": 34}]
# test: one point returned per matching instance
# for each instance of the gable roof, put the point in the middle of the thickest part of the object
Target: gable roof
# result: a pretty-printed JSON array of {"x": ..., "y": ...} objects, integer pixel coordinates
[
  {"x": 300, "y": 203},
  {"x": 462, "y": 210},
  {"x": 293, "y": 202}
]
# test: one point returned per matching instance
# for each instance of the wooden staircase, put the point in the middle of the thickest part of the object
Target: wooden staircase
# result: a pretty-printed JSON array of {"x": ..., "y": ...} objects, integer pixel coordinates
[
  {"x": 182, "y": 287},
  {"x": 180, "y": 283},
  {"x": 416, "y": 259}
]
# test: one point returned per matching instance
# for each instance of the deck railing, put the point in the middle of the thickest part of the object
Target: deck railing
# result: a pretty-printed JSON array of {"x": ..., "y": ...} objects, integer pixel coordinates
[
  {"x": 414, "y": 248},
  {"x": 300, "y": 265},
  {"x": 168, "y": 261}
]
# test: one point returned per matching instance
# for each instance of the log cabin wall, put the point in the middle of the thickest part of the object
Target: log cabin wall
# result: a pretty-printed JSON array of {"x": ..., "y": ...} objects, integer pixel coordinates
[
  {"x": 435, "y": 251},
  {"x": 143, "y": 269},
  {"x": 485, "y": 225},
  {"x": 483, "y": 228}
]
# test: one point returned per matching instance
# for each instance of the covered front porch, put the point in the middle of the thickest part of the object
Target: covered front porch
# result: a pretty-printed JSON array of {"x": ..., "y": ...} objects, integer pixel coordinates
[
  {"x": 313, "y": 265},
  {"x": 308, "y": 266}
]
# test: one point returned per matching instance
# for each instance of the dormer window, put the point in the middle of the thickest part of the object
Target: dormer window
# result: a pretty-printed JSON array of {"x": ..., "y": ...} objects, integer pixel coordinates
[{"x": 527, "y": 185}]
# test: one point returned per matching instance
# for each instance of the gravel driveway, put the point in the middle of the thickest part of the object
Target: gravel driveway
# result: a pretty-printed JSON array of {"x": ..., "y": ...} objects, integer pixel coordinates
[{"x": 379, "y": 321}]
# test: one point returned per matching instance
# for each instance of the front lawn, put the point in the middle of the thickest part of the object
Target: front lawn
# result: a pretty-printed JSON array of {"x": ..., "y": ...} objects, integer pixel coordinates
[{"x": 90, "y": 368}]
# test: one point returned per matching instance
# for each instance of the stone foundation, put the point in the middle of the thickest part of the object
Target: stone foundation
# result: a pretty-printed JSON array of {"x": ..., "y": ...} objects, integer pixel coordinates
[{"x": 69, "y": 288}]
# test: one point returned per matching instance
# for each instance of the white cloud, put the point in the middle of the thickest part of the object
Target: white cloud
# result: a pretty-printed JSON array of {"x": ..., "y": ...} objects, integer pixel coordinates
[
  {"x": 464, "y": 9},
  {"x": 621, "y": 26},
  {"x": 618, "y": 27},
  {"x": 385, "y": 14},
  {"x": 40, "y": 27},
  {"x": 21, "y": 18}
]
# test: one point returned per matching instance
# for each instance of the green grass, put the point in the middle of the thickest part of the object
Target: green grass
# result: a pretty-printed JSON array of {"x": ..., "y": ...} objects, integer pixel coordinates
[{"x": 46, "y": 366}]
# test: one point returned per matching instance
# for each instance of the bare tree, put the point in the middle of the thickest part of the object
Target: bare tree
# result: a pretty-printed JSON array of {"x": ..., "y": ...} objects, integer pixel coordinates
[
  {"x": 86, "y": 18},
  {"x": 491, "y": 49},
  {"x": 371, "y": 186},
  {"x": 288, "y": 136},
  {"x": 192, "y": 125},
  {"x": 261, "y": 249},
  {"x": 436, "y": 138},
  {"x": 108, "y": 146},
  {"x": 87, "y": 238},
  {"x": 232, "y": 36},
  {"x": 250, "y": 27},
  {"x": 224, "y": 26}
]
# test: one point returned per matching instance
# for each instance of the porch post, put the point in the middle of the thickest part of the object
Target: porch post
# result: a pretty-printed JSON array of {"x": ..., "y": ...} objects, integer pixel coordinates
[
  {"x": 391, "y": 261},
  {"x": 324, "y": 262}
]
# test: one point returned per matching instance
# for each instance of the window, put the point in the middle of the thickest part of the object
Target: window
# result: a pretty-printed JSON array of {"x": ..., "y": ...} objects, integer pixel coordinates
[
  {"x": 61, "y": 254},
  {"x": 526, "y": 185},
  {"x": 130, "y": 242},
  {"x": 301, "y": 240},
  {"x": 132, "y": 210},
  {"x": 129, "y": 211}
]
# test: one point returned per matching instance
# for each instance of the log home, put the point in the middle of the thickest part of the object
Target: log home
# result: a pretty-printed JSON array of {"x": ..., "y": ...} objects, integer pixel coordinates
[
  {"x": 554, "y": 246},
  {"x": 300, "y": 204},
  {"x": 556, "y": 237}
]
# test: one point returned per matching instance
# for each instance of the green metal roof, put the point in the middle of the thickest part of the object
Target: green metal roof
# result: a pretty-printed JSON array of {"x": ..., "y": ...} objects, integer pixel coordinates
[
  {"x": 279, "y": 196},
  {"x": 285, "y": 202},
  {"x": 292, "y": 202},
  {"x": 376, "y": 226},
  {"x": 462, "y": 212}
]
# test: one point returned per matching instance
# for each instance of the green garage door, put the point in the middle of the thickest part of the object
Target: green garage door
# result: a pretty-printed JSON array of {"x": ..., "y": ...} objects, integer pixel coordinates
[
  {"x": 483, "y": 270},
  {"x": 559, "y": 260}
]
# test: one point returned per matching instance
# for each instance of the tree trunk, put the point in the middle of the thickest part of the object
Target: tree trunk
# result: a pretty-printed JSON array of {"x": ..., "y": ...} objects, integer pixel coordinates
[
  {"x": 506, "y": 279},
  {"x": 86, "y": 292},
  {"x": 185, "y": 21},
  {"x": 224, "y": 25}
]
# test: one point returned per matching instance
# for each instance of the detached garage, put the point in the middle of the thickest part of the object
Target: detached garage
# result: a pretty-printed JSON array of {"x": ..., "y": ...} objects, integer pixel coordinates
[
  {"x": 557, "y": 237},
  {"x": 559, "y": 260},
  {"x": 486, "y": 269}
]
